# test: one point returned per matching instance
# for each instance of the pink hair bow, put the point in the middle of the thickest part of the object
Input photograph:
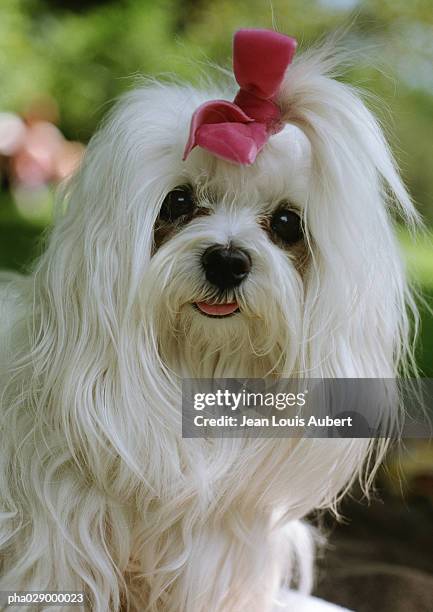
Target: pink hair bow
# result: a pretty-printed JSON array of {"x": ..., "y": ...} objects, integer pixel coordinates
[{"x": 236, "y": 131}]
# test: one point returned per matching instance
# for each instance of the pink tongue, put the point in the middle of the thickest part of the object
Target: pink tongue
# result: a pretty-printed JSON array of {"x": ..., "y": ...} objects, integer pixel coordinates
[{"x": 217, "y": 309}]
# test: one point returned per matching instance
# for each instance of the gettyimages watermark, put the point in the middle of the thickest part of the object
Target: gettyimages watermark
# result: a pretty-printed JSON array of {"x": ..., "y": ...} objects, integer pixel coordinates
[{"x": 310, "y": 408}]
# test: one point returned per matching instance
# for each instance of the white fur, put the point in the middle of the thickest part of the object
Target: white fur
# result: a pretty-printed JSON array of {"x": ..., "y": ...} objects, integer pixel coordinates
[{"x": 99, "y": 490}]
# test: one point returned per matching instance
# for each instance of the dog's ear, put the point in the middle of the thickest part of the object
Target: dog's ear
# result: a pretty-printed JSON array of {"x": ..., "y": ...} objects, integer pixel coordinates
[
  {"x": 101, "y": 243},
  {"x": 107, "y": 211},
  {"x": 87, "y": 342},
  {"x": 357, "y": 298}
]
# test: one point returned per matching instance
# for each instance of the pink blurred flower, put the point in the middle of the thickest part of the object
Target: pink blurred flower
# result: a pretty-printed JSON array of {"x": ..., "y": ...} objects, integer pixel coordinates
[{"x": 45, "y": 156}]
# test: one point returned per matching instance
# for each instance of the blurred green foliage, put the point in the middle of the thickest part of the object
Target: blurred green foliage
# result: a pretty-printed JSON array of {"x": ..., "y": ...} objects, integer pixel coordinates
[{"x": 84, "y": 53}]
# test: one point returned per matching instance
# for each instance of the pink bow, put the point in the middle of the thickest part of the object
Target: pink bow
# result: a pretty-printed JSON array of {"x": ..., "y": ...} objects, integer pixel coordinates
[{"x": 237, "y": 131}]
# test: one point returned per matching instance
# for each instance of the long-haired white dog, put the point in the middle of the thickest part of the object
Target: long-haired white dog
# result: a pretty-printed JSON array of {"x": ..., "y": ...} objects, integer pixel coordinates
[{"x": 269, "y": 251}]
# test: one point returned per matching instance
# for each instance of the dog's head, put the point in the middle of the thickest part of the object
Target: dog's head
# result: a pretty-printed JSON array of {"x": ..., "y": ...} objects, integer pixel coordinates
[
  {"x": 230, "y": 255},
  {"x": 286, "y": 265}
]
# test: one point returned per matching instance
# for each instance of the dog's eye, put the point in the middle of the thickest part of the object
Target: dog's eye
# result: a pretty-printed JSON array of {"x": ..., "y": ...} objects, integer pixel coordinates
[
  {"x": 178, "y": 203},
  {"x": 287, "y": 225}
]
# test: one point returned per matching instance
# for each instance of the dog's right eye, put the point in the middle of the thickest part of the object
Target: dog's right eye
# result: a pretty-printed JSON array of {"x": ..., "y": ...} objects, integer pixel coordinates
[{"x": 178, "y": 203}]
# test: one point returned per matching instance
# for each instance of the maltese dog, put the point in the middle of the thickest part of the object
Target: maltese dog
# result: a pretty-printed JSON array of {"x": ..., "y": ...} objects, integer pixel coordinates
[{"x": 200, "y": 238}]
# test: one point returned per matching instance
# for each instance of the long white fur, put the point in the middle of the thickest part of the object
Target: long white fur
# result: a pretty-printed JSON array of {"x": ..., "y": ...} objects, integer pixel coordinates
[{"x": 99, "y": 492}]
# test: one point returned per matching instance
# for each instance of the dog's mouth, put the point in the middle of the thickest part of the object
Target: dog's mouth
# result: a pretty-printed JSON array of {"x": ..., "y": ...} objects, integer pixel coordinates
[{"x": 217, "y": 311}]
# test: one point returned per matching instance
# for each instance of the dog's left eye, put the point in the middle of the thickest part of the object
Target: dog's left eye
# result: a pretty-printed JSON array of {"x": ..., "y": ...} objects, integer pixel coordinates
[
  {"x": 178, "y": 203},
  {"x": 287, "y": 225}
]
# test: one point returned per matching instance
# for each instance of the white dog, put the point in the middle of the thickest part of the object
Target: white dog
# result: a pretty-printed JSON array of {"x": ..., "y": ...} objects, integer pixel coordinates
[{"x": 269, "y": 250}]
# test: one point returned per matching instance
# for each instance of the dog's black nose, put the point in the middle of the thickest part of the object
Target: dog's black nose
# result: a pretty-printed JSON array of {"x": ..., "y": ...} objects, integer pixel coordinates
[{"x": 226, "y": 267}]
